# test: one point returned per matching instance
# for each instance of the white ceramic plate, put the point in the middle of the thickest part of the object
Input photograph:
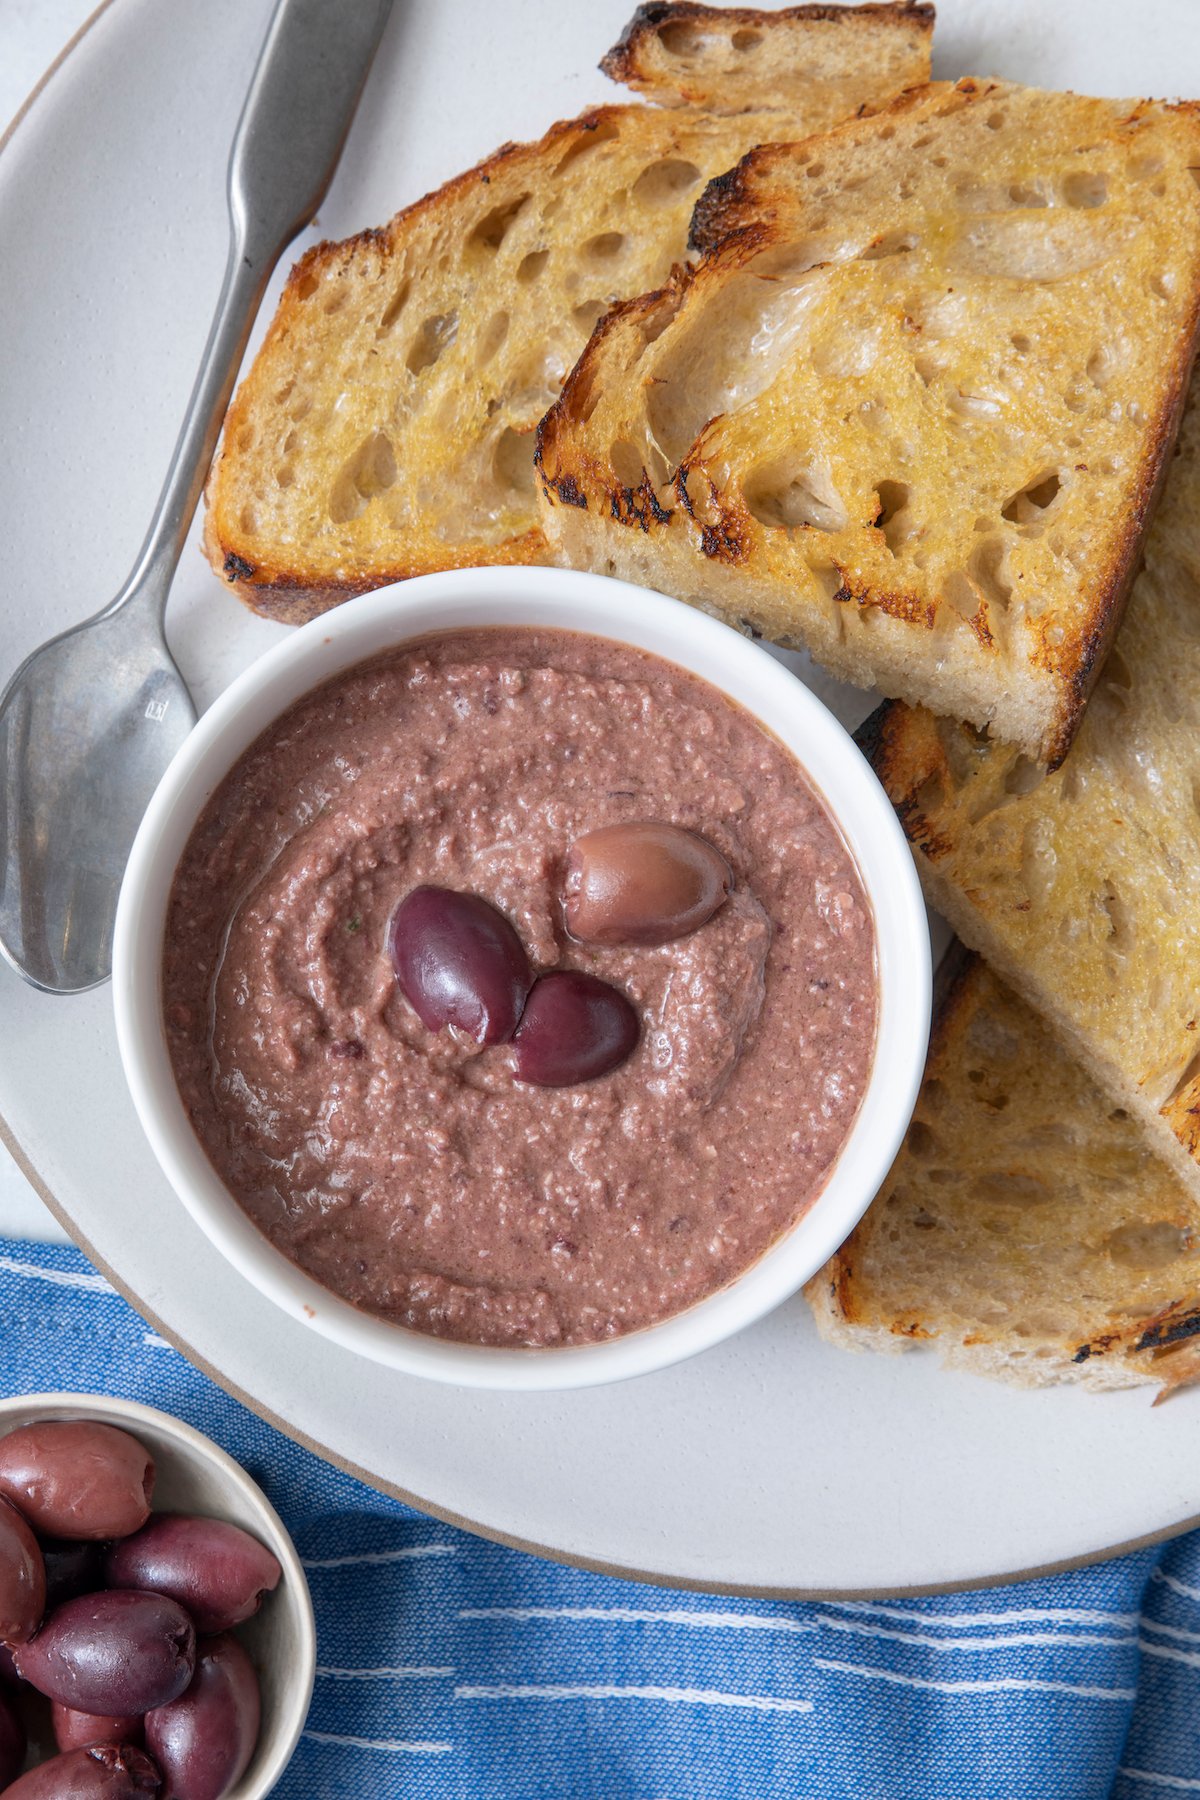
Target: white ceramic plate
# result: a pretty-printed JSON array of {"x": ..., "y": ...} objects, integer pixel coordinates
[{"x": 771, "y": 1464}]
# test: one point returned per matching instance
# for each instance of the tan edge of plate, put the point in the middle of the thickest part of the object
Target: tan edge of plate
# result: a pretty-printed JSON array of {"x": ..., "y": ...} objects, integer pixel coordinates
[{"x": 547, "y": 1551}]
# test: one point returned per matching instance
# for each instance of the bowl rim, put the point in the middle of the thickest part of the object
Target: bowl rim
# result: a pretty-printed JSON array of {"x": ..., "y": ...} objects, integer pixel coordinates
[
  {"x": 113, "y": 1409},
  {"x": 600, "y": 606}
]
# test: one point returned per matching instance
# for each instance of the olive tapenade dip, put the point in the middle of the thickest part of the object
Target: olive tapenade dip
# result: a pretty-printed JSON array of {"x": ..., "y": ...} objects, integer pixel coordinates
[{"x": 519, "y": 987}]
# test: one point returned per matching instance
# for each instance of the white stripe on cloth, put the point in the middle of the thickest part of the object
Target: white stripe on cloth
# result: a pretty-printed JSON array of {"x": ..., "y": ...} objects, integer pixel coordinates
[
  {"x": 1175, "y": 1631},
  {"x": 1020, "y": 1615},
  {"x": 380, "y": 1556},
  {"x": 1180, "y": 1783},
  {"x": 675, "y": 1696},
  {"x": 633, "y": 1615},
  {"x": 358, "y": 1743},
  {"x": 1176, "y": 1586},
  {"x": 73, "y": 1278},
  {"x": 409, "y": 1672},
  {"x": 968, "y": 1644},
  {"x": 1189, "y": 1657},
  {"x": 155, "y": 1342},
  {"x": 1003, "y": 1684}
]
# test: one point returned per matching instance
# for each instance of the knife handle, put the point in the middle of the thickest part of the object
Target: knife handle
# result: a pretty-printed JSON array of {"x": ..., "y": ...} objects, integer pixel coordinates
[
  {"x": 306, "y": 86},
  {"x": 305, "y": 89}
]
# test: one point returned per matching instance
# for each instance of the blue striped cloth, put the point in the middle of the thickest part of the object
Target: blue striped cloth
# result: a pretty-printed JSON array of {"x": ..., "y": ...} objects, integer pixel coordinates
[{"x": 454, "y": 1669}]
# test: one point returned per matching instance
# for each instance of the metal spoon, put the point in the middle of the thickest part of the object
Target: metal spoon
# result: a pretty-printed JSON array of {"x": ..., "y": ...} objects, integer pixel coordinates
[{"x": 89, "y": 722}]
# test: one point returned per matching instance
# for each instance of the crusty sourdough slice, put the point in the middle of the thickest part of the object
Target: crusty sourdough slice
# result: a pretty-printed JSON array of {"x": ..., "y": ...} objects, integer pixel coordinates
[
  {"x": 732, "y": 59},
  {"x": 386, "y": 427},
  {"x": 911, "y": 408},
  {"x": 1026, "y": 1229},
  {"x": 1082, "y": 888}
]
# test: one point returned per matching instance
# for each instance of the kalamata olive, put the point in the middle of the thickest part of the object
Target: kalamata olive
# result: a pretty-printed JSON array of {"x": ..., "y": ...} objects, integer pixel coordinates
[
  {"x": 76, "y": 1730},
  {"x": 642, "y": 883},
  {"x": 77, "y": 1478},
  {"x": 459, "y": 962},
  {"x": 12, "y": 1740},
  {"x": 103, "y": 1772},
  {"x": 575, "y": 1027},
  {"x": 214, "y": 1569},
  {"x": 117, "y": 1653},
  {"x": 204, "y": 1741},
  {"x": 22, "y": 1577},
  {"x": 71, "y": 1568}
]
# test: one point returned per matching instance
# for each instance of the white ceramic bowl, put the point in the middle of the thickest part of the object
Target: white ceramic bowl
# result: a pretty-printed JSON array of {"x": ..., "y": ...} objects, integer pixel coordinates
[
  {"x": 631, "y": 615},
  {"x": 194, "y": 1476}
]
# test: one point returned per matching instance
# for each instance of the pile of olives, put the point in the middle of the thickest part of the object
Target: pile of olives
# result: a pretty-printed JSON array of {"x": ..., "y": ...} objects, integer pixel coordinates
[
  {"x": 459, "y": 962},
  {"x": 121, "y": 1620}
]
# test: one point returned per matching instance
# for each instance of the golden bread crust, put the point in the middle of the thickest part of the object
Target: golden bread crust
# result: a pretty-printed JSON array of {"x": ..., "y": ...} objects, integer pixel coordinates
[{"x": 867, "y": 426}]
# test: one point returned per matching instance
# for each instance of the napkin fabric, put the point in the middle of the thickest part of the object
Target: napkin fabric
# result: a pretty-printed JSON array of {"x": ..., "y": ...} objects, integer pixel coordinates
[{"x": 454, "y": 1669}]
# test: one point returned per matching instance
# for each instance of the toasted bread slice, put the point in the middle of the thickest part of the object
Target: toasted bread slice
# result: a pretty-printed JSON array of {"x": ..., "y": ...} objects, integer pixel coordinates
[
  {"x": 386, "y": 427},
  {"x": 912, "y": 407},
  {"x": 732, "y": 59},
  {"x": 1026, "y": 1230},
  {"x": 1082, "y": 888}
]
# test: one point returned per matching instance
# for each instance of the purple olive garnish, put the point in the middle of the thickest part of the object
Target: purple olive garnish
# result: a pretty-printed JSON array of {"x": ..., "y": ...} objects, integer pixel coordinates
[
  {"x": 642, "y": 883},
  {"x": 575, "y": 1028},
  {"x": 459, "y": 962}
]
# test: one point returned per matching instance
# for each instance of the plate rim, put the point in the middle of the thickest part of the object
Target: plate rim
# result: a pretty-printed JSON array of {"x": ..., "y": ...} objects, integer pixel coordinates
[{"x": 431, "y": 1509}]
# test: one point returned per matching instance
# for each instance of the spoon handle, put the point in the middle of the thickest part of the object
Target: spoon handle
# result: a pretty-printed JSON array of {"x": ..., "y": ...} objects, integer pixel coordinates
[{"x": 306, "y": 86}]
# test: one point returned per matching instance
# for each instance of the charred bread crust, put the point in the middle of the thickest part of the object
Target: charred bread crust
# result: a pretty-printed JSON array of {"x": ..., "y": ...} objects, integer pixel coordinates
[
  {"x": 625, "y": 62},
  {"x": 902, "y": 745},
  {"x": 278, "y": 594}
]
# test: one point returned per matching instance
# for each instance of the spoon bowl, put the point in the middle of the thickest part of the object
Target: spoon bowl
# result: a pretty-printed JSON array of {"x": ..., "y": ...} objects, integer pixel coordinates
[{"x": 88, "y": 724}]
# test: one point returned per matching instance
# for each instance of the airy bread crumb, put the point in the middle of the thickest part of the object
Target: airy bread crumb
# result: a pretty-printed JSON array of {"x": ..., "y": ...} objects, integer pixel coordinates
[
  {"x": 911, "y": 409},
  {"x": 1082, "y": 888},
  {"x": 386, "y": 428},
  {"x": 1026, "y": 1230}
]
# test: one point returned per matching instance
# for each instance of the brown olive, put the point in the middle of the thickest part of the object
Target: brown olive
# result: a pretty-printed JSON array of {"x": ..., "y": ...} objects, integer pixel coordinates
[
  {"x": 77, "y": 1478},
  {"x": 22, "y": 1577},
  {"x": 642, "y": 883}
]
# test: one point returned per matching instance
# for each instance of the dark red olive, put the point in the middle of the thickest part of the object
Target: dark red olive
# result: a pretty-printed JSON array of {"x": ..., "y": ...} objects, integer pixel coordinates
[
  {"x": 459, "y": 962},
  {"x": 103, "y": 1772},
  {"x": 77, "y": 1478},
  {"x": 22, "y": 1577},
  {"x": 12, "y": 1740},
  {"x": 575, "y": 1028},
  {"x": 118, "y": 1653},
  {"x": 217, "y": 1571},
  {"x": 205, "y": 1739},
  {"x": 76, "y": 1730},
  {"x": 642, "y": 883}
]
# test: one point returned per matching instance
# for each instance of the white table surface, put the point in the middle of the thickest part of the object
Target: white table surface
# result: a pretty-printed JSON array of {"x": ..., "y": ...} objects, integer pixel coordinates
[{"x": 32, "y": 32}]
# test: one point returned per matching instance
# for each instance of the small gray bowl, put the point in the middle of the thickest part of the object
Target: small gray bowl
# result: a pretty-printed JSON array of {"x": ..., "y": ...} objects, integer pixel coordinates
[{"x": 194, "y": 1476}]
